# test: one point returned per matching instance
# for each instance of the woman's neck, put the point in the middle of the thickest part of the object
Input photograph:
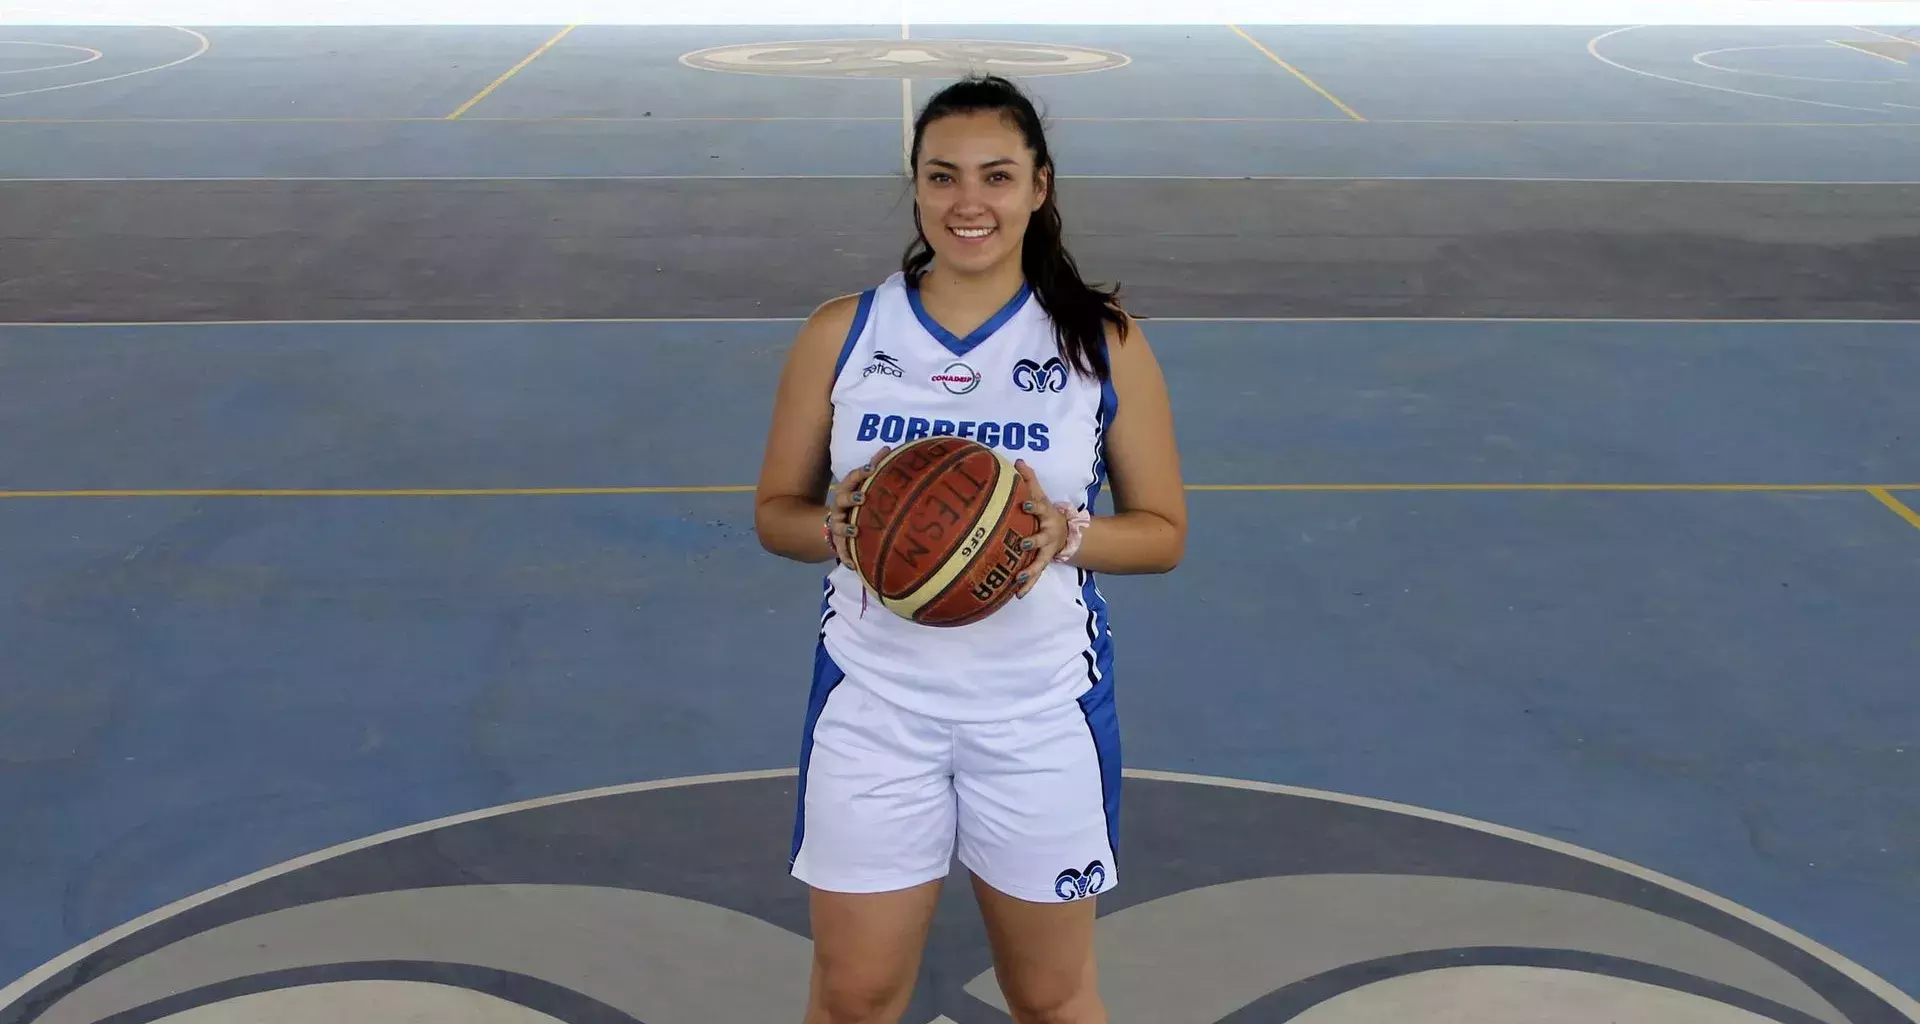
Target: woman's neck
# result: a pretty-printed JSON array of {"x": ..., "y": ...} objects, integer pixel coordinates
[{"x": 962, "y": 302}]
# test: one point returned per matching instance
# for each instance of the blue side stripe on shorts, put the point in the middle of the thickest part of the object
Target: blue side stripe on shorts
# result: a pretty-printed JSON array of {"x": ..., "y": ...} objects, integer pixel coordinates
[
  {"x": 1103, "y": 724},
  {"x": 826, "y": 676}
]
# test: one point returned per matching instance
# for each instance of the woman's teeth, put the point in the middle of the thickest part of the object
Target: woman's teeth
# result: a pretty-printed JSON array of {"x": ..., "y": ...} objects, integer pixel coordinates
[{"x": 972, "y": 232}]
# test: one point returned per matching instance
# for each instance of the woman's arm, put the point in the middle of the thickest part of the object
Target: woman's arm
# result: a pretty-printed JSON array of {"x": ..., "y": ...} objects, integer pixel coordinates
[
  {"x": 1148, "y": 531},
  {"x": 790, "y": 500}
]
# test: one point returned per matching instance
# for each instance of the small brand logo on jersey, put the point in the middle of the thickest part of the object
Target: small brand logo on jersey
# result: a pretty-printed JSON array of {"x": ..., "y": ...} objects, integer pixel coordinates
[
  {"x": 883, "y": 363},
  {"x": 1031, "y": 376},
  {"x": 1072, "y": 885},
  {"x": 958, "y": 378}
]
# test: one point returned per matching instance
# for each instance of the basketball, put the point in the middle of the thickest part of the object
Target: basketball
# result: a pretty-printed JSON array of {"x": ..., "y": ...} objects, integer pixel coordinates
[{"x": 937, "y": 537}]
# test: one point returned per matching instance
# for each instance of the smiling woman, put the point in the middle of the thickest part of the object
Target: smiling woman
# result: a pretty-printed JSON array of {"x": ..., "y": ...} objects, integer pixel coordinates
[{"x": 997, "y": 737}]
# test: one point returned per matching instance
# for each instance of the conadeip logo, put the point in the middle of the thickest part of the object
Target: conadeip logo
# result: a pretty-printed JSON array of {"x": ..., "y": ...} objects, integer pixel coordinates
[{"x": 958, "y": 378}]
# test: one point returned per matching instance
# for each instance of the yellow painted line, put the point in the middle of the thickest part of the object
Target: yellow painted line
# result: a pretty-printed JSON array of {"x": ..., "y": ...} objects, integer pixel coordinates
[
  {"x": 375, "y": 492},
  {"x": 1861, "y": 49},
  {"x": 1888, "y": 35},
  {"x": 1602, "y": 488},
  {"x": 1881, "y": 491},
  {"x": 512, "y": 71},
  {"x": 1894, "y": 503},
  {"x": 1297, "y": 73},
  {"x": 436, "y": 119}
]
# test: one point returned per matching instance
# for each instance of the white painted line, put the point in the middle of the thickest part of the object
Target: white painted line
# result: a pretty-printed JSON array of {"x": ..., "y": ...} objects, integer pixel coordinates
[
  {"x": 1593, "y": 48},
  {"x": 1860, "y": 975},
  {"x": 1909, "y": 40},
  {"x": 1701, "y": 59},
  {"x": 1900, "y": 1001},
  {"x": 889, "y": 119},
  {"x": 1856, "y": 48},
  {"x": 906, "y": 126},
  {"x": 1793, "y": 182},
  {"x": 205, "y": 43},
  {"x": 96, "y": 55}
]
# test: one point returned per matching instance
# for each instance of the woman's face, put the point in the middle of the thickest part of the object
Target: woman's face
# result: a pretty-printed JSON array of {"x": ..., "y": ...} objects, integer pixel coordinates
[{"x": 977, "y": 188}]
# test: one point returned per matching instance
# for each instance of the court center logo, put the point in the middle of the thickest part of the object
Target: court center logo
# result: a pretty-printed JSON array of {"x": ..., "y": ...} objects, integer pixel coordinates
[
  {"x": 903, "y": 58},
  {"x": 670, "y": 903}
]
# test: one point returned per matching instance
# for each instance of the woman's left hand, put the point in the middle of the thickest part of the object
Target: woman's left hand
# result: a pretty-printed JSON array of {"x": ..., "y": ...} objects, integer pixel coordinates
[{"x": 1051, "y": 537}]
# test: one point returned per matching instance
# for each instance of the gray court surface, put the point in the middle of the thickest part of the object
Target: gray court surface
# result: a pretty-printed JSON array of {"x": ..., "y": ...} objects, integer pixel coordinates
[{"x": 385, "y": 634}]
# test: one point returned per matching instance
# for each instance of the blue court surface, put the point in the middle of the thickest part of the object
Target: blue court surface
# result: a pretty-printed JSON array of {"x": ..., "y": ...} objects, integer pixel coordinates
[{"x": 1605, "y": 626}]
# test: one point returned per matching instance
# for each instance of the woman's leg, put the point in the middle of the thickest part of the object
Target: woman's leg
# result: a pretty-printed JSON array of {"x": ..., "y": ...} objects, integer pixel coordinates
[
  {"x": 866, "y": 953},
  {"x": 1038, "y": 807},
  {"x": 1043, "y": 957},
  {"x": 873, "y": 840}
]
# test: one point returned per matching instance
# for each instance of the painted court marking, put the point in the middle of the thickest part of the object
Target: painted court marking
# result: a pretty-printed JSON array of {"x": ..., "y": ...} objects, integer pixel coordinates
[
  {"x": 1857, "y": 48},
  {"x": 1899, "y": 508},
  {"x": 851, "y": 119},
  {"x": 205, "y": 45},
  {"x": 1593, "y": 48},
  {"x": 897, "y": 176},
  {"x": 512, "y": 71},
  {"x": 1301, "y": 75},
  {"x": 93, "y": 56},
  {"x": 1701, "y": 59},
  {"x": 1881, "y": 988}
]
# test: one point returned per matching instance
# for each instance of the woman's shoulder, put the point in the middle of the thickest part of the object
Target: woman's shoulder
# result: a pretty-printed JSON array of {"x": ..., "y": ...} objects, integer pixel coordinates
[{"x": 841, "y": 310}]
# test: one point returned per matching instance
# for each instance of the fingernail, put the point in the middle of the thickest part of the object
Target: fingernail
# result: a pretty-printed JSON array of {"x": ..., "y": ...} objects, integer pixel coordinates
[
  {"x": 1027, "y": 545},
  {"x": 850, "y": 530},
  {"x": 857, "y": 498},
  {"x": 1026, "y": 506},
  {"x": 1022, "y": 578}
]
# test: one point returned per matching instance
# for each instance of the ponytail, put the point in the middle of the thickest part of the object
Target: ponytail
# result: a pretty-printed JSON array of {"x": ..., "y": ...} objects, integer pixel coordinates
[{"x": 1080, "y": 312}]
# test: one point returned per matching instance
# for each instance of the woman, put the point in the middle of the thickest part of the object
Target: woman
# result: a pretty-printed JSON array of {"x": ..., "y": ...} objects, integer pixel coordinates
[{"x": 1000, "y": 736}]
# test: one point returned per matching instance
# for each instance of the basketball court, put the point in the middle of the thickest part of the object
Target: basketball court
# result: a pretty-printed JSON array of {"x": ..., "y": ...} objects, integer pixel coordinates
[{"x": 383, "y": 633}]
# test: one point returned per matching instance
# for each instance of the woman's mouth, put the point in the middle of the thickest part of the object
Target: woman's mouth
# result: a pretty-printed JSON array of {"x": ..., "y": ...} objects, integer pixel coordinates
[{"x": 971, "y": 234}]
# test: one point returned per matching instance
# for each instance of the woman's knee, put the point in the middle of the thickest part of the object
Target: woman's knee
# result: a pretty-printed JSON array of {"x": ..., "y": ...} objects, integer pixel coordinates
[
  {"x": 852, "y": 993},
  {"x": 1055, "y": 997},
  {"x": 867, "y": 953}
]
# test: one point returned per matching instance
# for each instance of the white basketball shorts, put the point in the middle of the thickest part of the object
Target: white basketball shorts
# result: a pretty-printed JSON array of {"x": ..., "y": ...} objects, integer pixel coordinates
[{"x": 888, "y": 796}]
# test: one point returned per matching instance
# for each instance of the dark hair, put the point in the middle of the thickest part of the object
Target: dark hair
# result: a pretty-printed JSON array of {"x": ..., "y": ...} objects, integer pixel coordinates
[{"x": 1080, "y": 311}]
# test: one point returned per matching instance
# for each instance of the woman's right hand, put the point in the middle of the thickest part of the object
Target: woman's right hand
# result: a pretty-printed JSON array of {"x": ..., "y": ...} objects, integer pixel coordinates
[{"x": 848, "y": 492}]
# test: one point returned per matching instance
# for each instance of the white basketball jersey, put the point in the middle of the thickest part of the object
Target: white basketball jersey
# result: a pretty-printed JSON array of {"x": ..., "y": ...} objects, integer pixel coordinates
[{"x": 901, "y": 376}]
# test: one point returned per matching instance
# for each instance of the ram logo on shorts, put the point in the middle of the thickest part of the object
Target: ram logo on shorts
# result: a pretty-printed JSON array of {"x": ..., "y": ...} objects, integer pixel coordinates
[{"x": 1072, "y": 884}]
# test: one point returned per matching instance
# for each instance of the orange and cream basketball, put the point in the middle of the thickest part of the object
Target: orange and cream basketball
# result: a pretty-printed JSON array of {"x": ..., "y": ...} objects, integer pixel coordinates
[{"x": 938, "y": 536}]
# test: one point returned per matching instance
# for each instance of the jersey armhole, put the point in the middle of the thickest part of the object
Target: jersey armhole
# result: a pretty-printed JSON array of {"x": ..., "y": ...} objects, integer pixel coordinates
[
  {"x": 854, "y": 331},
  {"x": 1109, "y": 398}
]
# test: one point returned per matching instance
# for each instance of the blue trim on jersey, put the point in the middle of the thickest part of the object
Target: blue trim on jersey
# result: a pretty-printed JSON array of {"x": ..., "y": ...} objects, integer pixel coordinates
[
  {"x": 1109, "y": 407},
  {"x": 961, "y": 346},
  {"x": 853, "y": 332},
  {"x": 826, "y": 676}
]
